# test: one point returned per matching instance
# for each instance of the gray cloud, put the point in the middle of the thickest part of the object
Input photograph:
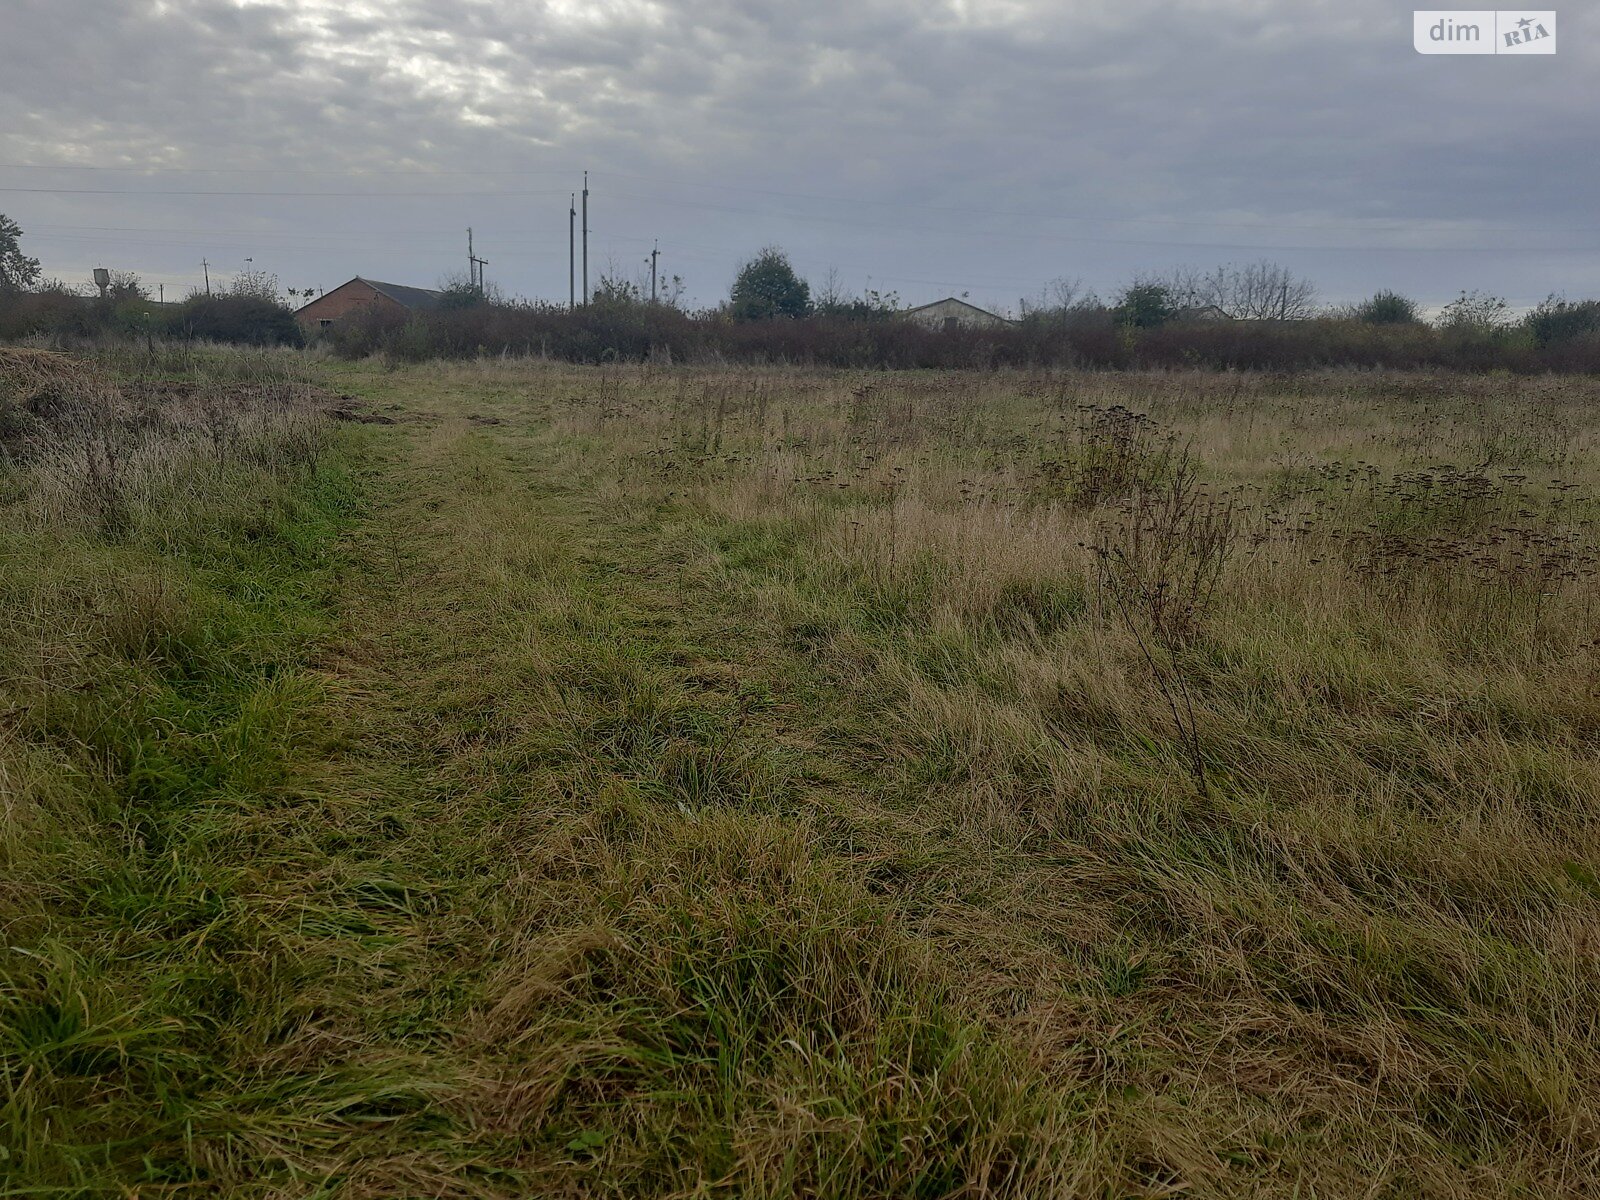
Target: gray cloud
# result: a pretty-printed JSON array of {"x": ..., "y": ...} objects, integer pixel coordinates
[{"x": 970, "y": 145}]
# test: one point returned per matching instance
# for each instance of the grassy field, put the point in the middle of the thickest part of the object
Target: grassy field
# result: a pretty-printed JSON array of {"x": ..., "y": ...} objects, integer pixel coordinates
[{"x": 690, "y": 782}]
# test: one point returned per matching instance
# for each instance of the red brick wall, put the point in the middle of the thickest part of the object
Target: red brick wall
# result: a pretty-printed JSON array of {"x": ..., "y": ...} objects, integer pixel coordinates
[{"x": 341, "y": 302}]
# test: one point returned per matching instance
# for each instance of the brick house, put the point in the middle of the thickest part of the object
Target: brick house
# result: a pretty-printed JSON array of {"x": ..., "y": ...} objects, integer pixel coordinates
[{"x": 363, "y": 295}]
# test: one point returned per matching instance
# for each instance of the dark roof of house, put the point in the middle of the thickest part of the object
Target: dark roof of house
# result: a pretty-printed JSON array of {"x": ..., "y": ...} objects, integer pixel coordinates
[
  {"x": 408, "y": 297},
  {"x": 955, "y": 300},
  {"x": 411, "y": 297}
]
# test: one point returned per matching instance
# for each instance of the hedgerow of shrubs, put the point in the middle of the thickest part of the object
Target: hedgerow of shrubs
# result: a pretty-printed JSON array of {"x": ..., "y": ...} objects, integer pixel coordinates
[
  {"x": 64, "y": 315},
  {"x": 1559, "y": 335},
  {"x": 1093, "y": 339}
]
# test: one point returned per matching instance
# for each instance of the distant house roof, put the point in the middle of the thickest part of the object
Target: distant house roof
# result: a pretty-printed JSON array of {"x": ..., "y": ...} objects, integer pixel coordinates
[
  {"x": 411, "y": 297},
  {"x": 406, "y": 297},
  {"x": 1201, "y": 312},
  {"x": 910, "y": 312}
]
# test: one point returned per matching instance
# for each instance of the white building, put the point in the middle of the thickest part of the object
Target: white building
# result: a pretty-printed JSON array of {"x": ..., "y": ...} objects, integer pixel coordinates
[{"x": 951, "y": 313}]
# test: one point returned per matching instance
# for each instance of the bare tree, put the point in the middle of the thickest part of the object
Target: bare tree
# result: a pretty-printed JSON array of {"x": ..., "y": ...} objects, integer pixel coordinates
[
  {"x": 1260, "y": 291},
  {"x": 1058, "y": 299},
  {"x": 831, "y": 294},
  {"x": 257, "y": 284},
  {"x": 1476, "y": 312},
  {"x": 1186, "y": 287}
]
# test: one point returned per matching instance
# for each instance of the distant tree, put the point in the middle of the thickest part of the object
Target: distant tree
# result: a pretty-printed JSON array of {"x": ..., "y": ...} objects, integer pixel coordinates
[
  {"x": 1060, "y": 300},
  {"x": 831, "y": 295},
  {"x": 669, "y": 291},
  {"x": 257, "y": 285},
  {"x": 126, "y": 286},
  {"x": 767, "y": 287},
  {"x": 459, "y": 291},
  {"x": 126, "y": 302},
  {"x": 1064, "y": 294},
  {"x": 17, "y": 270},
  {"x": 616, "y": 291},
  {"x": 1260, "y": 291},
  {"x": 1560, "y": 320},
  {"x": 1476, "y": 312},
  {"x": 870, "y": 305},
  {"x": 1388, "y": 308},
  {"x": 301, "y": 296},
  {"x": 1145, "y": 304}
]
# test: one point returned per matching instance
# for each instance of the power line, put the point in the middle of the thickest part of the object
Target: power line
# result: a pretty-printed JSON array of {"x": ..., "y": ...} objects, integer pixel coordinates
[
  {"x": 511, "y": 245},
  {"x": 383, "y": 195},
  {"x": 1042, "y": 235},
  {"x": 1398, "y": 223},
  {"x": 152, "y": 168},
  {"x": 898, "y": 227}
]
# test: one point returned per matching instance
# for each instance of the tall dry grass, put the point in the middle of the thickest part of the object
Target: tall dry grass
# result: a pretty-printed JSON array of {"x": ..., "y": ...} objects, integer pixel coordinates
[
  {"x": 1285, "y": 828},
  {"x": 157, "y": 533},
  {"x": 120, "y": 452},
  {"x": 758, "y": 782}
]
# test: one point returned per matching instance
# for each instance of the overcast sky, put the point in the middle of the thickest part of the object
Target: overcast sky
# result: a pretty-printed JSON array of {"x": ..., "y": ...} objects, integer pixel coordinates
[{"x": 928, "y": 147}]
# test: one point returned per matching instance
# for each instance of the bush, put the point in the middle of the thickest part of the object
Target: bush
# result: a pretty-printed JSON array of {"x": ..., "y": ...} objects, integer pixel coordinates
[
  {"x": 1476, "y": 313},
  {"x": 1146, "y": 306},
  {"x": 1388, "y": 308},
  {"x": 1562, "y": 320},
  {"x": 1560, "y": 336},
  {"x": 245, "y": 319},
  {"x": 645, "y": 332}
]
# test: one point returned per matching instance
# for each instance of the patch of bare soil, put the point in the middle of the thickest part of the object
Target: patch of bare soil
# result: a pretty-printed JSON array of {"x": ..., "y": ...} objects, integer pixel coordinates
[{"x": 351, "y": 408}]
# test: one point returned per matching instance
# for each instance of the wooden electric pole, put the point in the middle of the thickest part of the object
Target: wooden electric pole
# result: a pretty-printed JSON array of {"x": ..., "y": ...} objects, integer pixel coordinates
[
  {"x": 475, "y": 266},
  {"x": 206, "y": 267},
  {"x": 586, "y": 239},
  {"x": 572, "y": 251},
  {"x": 655, "y": 253}
]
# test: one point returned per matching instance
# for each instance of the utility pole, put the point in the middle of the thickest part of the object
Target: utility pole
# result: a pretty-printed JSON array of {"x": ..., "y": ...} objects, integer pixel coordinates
[
  {"x": 586, "y": 239},
  {"x": 206, "y": 267},
  {"x": 655, "y": 253},
  {"x": 572, "y": 251},
  {"x": 475, "y": 266}
]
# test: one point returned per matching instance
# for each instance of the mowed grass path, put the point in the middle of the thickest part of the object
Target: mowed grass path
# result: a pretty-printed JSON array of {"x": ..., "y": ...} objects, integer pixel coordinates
[
  {"x": 635, "y": 937},
  {"x": 600, "y": 851}
]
